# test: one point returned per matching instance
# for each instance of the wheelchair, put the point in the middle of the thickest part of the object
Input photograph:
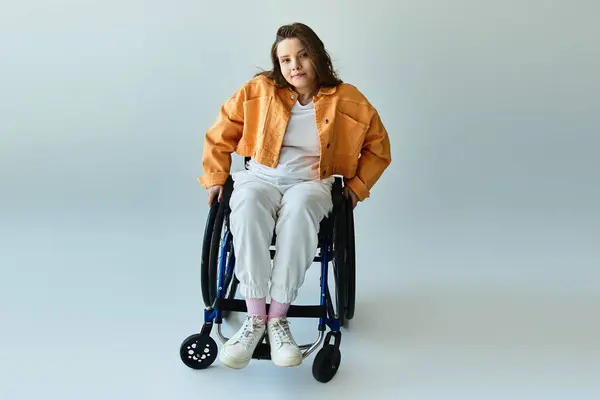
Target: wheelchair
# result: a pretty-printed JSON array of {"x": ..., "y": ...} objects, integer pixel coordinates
[{"x": 219, "y": 285}]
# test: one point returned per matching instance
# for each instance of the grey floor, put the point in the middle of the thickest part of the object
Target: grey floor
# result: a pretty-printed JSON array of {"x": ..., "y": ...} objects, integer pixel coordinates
[{"x": 100, "y": 314}]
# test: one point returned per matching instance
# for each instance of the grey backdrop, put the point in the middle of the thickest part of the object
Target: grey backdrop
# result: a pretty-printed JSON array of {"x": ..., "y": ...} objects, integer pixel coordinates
[{"x": 477, "y": 253}]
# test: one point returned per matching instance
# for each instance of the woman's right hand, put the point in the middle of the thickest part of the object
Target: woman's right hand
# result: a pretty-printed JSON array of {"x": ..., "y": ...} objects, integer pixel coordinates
[{"x": 214, "y": 191}]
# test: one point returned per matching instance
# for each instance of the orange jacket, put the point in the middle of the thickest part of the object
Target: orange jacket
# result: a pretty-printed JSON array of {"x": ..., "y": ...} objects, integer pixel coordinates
[{"x": 354, "y": 142}]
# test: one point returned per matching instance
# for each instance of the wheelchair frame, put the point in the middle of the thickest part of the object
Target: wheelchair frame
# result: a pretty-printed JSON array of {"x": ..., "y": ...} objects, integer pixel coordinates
[{"x": 219, "y": 286}]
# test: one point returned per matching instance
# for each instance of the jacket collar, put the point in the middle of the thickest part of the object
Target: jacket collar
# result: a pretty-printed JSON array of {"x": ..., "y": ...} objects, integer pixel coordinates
[{"x": 327, "y": 90}]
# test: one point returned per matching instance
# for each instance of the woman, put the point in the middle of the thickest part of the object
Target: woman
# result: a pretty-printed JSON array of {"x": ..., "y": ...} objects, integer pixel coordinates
[{"x": 300, "y": 125}]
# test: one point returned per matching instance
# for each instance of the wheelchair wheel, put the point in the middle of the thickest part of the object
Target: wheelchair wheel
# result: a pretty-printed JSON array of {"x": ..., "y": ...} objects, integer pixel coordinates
[
  {"x": 230, "y": 295},
  {"x": 326, "y": 363},
  {"x": 211, "y": 269},
  {"x": 221, "y": 255},
  {"x": 212, "y": 243},
  {"x": 198, "y": 351},
  {"x": 350, "y": 261},
  {"x": 230, "y": 283},
  {"x": 206, "y": 247},
  {"x": 215, "y": 254},
  {"x": 339, "y": 261}
]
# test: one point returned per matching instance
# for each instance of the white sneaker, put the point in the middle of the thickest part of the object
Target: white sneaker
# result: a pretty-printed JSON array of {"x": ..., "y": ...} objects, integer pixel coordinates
[
  {"x": 237, "y": 351},
  {"x": 284, "y": 351}
]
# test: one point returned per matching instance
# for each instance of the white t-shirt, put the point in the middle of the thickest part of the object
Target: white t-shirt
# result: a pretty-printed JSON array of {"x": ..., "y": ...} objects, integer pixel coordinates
[{"x": 299, "y": 155}]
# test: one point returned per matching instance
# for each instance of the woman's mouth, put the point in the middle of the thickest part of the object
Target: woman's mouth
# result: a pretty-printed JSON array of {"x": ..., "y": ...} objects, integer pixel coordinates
[{"x": 298, "y": 76}]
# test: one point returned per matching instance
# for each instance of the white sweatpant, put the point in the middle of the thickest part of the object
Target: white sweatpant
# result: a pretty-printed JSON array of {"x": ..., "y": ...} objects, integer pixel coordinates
[{"x": 260, "y": 206}]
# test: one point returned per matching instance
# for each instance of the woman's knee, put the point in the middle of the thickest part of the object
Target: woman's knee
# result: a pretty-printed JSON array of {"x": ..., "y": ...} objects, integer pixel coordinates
[
  {"x": 311, "y": 202},
  {"x": 250, "y": 199}
]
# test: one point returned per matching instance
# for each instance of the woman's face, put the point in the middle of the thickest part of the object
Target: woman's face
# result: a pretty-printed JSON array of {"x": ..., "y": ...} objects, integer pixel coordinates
[{"x": 296, "y": 65}]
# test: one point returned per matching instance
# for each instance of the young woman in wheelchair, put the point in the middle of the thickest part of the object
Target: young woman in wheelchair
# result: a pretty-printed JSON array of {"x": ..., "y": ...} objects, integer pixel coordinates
[{"x": 300, "y": 125}]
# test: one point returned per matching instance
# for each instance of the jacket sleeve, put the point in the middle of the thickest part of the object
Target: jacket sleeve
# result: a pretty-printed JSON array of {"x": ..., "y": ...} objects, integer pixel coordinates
[
  {"x": 375, "y": 157},
  {"x": 221, "y": 140}
]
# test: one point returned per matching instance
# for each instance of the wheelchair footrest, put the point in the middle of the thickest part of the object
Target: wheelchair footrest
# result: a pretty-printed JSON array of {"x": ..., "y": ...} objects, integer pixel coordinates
[{"x": 293, "y": 311}]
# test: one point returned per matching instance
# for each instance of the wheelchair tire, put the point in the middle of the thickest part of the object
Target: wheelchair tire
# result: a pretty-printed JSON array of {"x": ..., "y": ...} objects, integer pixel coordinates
[
  {"x": 206, "y": 247},
  {"x": 198, "y": 351},
  {"x": 339, "y": 262},
  {"x": 350, "y": 261},
  {"x": 214, "y": 220},
  {"x": 215, "y": 253},
  {"x": 326, "y": 363}
]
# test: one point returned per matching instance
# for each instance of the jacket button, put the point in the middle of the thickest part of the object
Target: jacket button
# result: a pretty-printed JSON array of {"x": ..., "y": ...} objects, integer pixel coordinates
[
  {"x": 328, "y": 145},
  {"x": 293, "y": 96},
  {"x": 326, "y": 121}
]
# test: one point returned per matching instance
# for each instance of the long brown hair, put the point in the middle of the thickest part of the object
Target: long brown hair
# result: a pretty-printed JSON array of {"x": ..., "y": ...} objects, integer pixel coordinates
[{"x": 316, "y": 50}]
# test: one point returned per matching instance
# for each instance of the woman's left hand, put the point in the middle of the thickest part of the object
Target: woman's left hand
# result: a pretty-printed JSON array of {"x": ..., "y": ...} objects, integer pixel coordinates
[{"x": 353, "y": 196}]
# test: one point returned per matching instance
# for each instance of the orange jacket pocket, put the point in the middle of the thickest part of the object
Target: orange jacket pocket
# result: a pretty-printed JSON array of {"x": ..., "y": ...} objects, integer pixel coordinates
[{"x": 349, "y": 135}]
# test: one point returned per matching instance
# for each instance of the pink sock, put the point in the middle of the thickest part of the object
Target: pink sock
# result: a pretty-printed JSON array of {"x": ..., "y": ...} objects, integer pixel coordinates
[
  {"x": 277, "y": 310},
  {"x": 257, "y": 307}
]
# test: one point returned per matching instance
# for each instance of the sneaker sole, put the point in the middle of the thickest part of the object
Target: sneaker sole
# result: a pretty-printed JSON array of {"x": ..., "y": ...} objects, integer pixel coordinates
[
  {"x": 288, "y": 362},
  {"x": 231, "y": 362}
]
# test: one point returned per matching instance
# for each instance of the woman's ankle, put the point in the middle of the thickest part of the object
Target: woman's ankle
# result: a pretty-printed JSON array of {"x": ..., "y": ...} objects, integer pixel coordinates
[
  {"x": 278, "y": 310},
  {"x": 257, "y": 307}
]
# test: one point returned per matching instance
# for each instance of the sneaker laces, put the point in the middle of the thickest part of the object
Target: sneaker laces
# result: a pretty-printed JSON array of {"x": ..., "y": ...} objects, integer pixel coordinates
[
  {"x": 281, "y": 330},
  {"x": 251, "y": 328}
]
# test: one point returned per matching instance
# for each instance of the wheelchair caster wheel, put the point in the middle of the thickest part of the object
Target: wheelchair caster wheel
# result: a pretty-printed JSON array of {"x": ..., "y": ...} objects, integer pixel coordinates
[
  {"x": 326, "y": 363},
  {"x": 198, "y": 351}
]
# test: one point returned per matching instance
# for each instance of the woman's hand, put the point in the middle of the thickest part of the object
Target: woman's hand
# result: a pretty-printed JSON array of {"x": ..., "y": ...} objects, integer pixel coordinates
[
  {"x": 352, "y": 195},
  {"x": 214, "y": 191}
]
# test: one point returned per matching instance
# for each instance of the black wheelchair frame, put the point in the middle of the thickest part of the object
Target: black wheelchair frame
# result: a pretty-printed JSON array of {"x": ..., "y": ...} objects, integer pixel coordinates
[{"x": 219, "y": 286}]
